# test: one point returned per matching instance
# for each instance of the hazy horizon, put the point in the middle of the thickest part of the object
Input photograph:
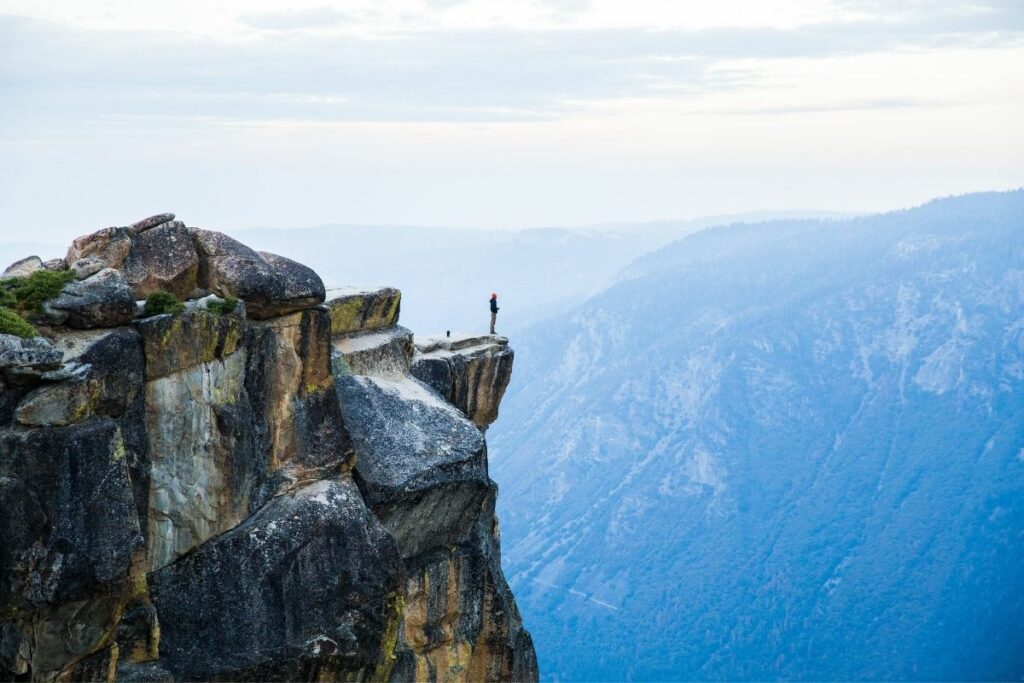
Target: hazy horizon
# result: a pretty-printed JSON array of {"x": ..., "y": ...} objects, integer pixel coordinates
[{"x": 60, "y": 238}]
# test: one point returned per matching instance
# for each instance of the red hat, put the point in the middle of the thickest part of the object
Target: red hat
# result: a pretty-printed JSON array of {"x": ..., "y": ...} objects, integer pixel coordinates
[{"x": 494, "y": 295}]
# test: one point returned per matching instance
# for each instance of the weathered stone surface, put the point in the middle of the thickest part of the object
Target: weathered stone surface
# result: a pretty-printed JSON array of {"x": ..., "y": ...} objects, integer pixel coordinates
[
  {"x": 289, "y": 377},
  {"x": 37, "y": 352},
  {"x": 22, "y": 268},
  {"x": 301, "y": 285},
  {"x": 270, "y": 285},
  {"x": 90, "y": 265},
  {"x": 113, "y": 360},
  {"x": 420, "y": 464},
  {"x": 458, "y": 342},
  {"x": 262, "y": 396},
  {"x": 71, "y": 531},
  {"x": 162, "y": 258},
  {"x": 192, "y": 497},
  {"x": 112, "y": 245},
  {"x": 360, "y": 310},
  {"x": 159, "y": 257},
  {"x": 55, "y": 264},
  {"x": 138, "y": 634},
  {"x": 422, "y": 468},
  {"x": 79, "y": 486},
  {"x": 99, "y": 666},
  {"x": 307, "y": 588},
  {"x": 178, "y": 342},
  {"x": 179, "y": 498},
  {"x": 58, "y": 405},
  {"x": 101, "y": 300},
  {"x": 386, "y": 352},
  {"x": 461, "y": 622},
  {"x": 472, "y": 372},
  {"x": 143, "y": 672},
  {"x": 151, "y": 222}
]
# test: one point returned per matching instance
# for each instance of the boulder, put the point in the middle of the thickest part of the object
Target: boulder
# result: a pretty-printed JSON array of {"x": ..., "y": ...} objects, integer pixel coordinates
[
  {"x": 100, "y": 300},
  {"x": 270, "y": 285},
  {"x": 84, "y": 267},
  {"x": 420, "y": 464},
  {"x": 36, "y": 352},
  {"x": 162, "y": 258},
  {"x": 158, "y": 257},
  {"x": 101, "y": 375},
  {"x": 306, "y": 589},
  {"x": 55, "y": 264},
  {"x": 57, "y": 405},
  {"x": 22, "y": 268},
  {"x": 151, "y": 222},
  {"x": 360, "y": 310},
  {"x": 471, "y": 372},
  {"x": 301, "y": 286},
  {"x": 385, "y": 352},
  {"x": 112, "y": 245}
]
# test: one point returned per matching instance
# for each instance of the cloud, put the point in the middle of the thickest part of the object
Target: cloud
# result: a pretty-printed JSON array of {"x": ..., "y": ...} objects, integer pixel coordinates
[
  {"x": 298, "y": 19},
  {"x": 58, "y": 78},
  {"x": 952, "y": 16}
]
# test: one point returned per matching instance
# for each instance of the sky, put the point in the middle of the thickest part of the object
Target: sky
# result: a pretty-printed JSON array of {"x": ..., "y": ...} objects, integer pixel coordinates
[{"x": 497, "y": 113}]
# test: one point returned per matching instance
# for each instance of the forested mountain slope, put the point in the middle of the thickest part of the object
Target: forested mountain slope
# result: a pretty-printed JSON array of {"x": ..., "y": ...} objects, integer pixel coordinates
[{"x": 784, "y": 450}]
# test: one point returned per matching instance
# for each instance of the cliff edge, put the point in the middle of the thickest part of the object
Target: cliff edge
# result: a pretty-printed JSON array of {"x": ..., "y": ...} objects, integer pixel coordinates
[{"x": 270, "y": 482}]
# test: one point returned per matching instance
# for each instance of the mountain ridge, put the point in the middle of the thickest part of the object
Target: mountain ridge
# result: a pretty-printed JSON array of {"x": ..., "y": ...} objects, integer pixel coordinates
[{"x": 749, "y": 422}]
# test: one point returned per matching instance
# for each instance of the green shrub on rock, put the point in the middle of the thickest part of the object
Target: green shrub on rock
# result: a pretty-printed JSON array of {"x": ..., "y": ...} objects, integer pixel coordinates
[
  {"x": 223, "y": 307},
  {"x": 12, "y": 323},
  {"x": 159, "y": 303},
  {"x": 27, "y": 294}
]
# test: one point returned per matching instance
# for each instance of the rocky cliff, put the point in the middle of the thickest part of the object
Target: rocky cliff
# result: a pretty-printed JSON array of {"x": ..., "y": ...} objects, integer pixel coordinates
[{"x": 269, "y": 482}]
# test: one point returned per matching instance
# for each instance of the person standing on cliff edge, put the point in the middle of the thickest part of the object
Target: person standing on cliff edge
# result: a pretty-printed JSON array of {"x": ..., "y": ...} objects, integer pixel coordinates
[{"x": 494, "y": 310}]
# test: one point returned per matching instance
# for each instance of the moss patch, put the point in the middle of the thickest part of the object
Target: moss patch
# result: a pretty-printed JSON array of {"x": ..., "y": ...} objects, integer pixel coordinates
[
  {"x": 347, "y": 316},
  {"x": 12, "y": 323},
  {"x": 159, "y": 303}
]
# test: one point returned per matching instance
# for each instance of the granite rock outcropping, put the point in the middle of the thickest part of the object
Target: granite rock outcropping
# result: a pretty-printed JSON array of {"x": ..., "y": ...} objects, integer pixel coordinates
[{"x": 277, "y": 491}]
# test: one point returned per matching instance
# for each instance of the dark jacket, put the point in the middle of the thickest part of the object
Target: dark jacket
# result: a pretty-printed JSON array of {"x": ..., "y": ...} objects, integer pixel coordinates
[{"x": 494, "y": 305}]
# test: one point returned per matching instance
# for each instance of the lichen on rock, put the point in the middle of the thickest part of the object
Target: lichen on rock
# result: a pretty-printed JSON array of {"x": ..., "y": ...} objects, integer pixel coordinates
[{"x": 360, "y": 310}]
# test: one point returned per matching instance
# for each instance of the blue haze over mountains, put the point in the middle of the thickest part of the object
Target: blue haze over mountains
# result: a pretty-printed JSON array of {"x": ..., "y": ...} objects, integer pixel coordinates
[{"x": 789, "y": 450}]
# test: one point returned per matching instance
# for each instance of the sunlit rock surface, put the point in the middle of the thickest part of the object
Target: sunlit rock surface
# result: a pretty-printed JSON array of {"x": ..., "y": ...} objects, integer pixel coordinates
[{"x": 239, "y": 494}]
